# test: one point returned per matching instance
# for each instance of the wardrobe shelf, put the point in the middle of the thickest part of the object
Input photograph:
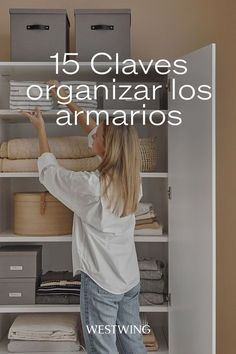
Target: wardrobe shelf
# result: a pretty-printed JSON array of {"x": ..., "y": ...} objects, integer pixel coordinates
[
  {"x": 10, "y": 237},
  {"x": 163, "y": 348},
  {"x": 35, "y": 174},
  {"x": 66, "y": 308},
  {"x": 11, "y": 116}
]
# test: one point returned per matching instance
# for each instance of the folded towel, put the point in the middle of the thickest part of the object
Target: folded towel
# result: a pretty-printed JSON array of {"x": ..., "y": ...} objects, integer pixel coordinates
[
  {"x": 152, "y": 286},
  {"x": 152, "y": 225},
  {"x": 146, "y": 299},
  {"x": 149, "y": 232},
  {"x": 23, "y": 346},
  {"x": 56, "y": 299},
  {"x": 145, "y": 221},
  {"x": 150, "y": 264},
  {"x": 150, "y": 214},
  {"x": 59, "y": 275},
  {"x": 143, "y": 208},
  {"x": 3, "y": 149},
  {"x": 30, "y": 165},
  {"x": 149, "y": 338},
  {"x": 64, "y": 147},
  {"x": 45, "y": 327},
  {"x": 151, "y": 274}
]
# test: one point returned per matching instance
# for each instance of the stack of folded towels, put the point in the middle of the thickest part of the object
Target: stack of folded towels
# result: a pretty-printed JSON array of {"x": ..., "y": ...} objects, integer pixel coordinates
[
  {"x": 146, "y": 220},
  {"x": 20, "y": 101},
  {"x": 44, "y": 333},
  {"x": 152, "y": 280},
  {"x": 72, "y": 152},
  {"x": 82, "y": 94},
  {"x": 149, "y": 339},
  {"x": 58, "y": 288}
]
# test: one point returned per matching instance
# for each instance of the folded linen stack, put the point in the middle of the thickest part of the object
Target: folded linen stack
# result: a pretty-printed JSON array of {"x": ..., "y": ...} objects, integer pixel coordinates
[
  {"x": 82, "y": 94},
  {"x": 152, "y": 281},
  {"x": 19, "y": 99},
  {"x": 72, "y": 152},
  {"x": 149, "y": 338},
  {"x": 146, "y": 220},
  {"x": 58, "y": 288},
  {"x": 44, "y": 333}
]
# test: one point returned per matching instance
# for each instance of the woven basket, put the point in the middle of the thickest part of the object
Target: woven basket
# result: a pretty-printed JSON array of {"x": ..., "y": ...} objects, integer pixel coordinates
[
  {"x": 41, "y": 214},
  {"x": 149, "y": 156}
]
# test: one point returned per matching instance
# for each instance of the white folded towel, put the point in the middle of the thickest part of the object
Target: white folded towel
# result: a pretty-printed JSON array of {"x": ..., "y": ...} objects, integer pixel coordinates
[
  {"x": 49, "y": 327},
  {"x": 143, "y": 208}
]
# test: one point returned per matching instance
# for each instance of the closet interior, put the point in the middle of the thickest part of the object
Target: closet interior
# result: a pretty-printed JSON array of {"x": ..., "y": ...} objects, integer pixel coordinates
[{"x": 56, "y": 250}]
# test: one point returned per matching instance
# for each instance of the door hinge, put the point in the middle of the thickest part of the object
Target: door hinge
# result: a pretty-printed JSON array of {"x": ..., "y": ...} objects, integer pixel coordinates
[
  {"x": 168, "y": 298},
  {"x": 169, "y": 192}
]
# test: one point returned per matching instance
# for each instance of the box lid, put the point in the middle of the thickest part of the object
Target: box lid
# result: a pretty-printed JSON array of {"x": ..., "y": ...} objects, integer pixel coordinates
[
  {"x": 40, "y": 11},
  {"x": 23, "y": 250},
  {"x": 102, "y": 11},
  {"x": 34, "y": 197}
]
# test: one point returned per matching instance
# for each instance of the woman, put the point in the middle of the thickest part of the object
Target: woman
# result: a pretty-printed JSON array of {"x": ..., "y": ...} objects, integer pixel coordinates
[{"x": 103, "y": 249}]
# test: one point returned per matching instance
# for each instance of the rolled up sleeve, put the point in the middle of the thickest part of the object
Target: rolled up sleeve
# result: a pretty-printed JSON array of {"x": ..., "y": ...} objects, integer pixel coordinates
[{"x": 71, "y": 188}]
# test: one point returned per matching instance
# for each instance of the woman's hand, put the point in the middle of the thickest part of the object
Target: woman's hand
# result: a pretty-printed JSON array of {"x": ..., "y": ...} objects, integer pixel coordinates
[
  {"x": 54, "y": 87},
  {"x": 54, "y": 83},
  {"x": 36, "y": 118}
]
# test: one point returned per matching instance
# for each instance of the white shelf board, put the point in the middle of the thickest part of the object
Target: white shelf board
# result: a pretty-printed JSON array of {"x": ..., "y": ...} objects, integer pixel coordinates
[
  {"x": 14, "y": 116},
  {"x": 35, "y": 174},
  {"x": 10, "y": 237},
  {"x": 66, "y": 308}
]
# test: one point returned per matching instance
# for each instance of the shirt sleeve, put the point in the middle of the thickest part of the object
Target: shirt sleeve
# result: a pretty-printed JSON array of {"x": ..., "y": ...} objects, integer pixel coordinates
[{"x": 73, "y": 189}]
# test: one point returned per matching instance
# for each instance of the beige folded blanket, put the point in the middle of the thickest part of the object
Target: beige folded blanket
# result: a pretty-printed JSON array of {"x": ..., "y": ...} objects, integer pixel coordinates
[
  {"x": 40, "y": 327},
  {"x": 153, "y": 225},
  {"x": 30, "y": 165},
  {"x": 65, "y": 147}
]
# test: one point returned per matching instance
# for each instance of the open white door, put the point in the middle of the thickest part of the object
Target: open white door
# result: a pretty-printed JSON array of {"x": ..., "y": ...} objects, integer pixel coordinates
[{"x": 191, "y": 167}]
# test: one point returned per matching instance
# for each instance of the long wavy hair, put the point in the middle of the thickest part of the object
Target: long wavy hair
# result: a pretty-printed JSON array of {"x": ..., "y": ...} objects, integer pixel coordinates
[{"x": 120, "y": 168}]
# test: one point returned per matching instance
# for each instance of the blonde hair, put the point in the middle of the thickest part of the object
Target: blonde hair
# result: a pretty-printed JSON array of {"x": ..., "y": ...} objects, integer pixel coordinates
[{"x": 120, "y": 168}]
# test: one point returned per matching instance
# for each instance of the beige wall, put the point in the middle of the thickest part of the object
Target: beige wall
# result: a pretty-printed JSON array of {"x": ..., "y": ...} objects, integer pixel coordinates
[{"x": 169, "y": 29}]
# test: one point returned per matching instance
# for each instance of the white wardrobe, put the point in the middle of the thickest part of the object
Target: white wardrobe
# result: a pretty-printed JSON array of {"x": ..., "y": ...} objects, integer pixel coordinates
[{"x": 182, "y": 191}]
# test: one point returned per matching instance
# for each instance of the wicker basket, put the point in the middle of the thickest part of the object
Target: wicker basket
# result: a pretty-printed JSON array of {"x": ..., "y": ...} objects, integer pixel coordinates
[
  {"x": 148, "y": 148},
  {"x": 41, "y": 214}
]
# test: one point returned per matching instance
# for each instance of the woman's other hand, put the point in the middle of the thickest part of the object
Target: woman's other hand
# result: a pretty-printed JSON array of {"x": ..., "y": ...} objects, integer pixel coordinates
[
  {"x": 53, "y": 84},
  {"x": 35, "y": 118}
]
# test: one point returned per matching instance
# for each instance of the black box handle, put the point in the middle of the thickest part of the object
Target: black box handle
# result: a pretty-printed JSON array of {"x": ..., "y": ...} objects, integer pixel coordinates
[
  {"x": 37, "y": 27},
  {"x": 102, "y": 27}
]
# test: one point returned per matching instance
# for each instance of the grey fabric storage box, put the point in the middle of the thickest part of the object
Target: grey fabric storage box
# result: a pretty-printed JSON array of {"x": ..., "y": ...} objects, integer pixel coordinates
[
  {"x": 102, "y": 31},
  {"x": 17, "y": 291},
  {"x": 20, "y": 261},
  {"x": 152, "y": 104},
  {"x": 38, "y": 33}
]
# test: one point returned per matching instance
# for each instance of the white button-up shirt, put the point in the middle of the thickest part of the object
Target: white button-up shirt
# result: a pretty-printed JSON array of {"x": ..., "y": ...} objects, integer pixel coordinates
[{"x": 102, "y": 243}]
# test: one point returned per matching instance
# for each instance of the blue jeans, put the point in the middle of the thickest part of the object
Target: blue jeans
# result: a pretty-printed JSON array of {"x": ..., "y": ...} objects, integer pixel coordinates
[{"x": 103, "y": 314}]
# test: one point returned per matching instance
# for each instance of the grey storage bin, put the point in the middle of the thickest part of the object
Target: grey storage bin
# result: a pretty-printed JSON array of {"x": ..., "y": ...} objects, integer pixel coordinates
[
  {"x": 17, "y": 291},
  {"x": 38, "y": 33},
  {"x": 20, "y": 261},
  {"x": 102, "y": 31},
  {"x": 152, "y": 104}
]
